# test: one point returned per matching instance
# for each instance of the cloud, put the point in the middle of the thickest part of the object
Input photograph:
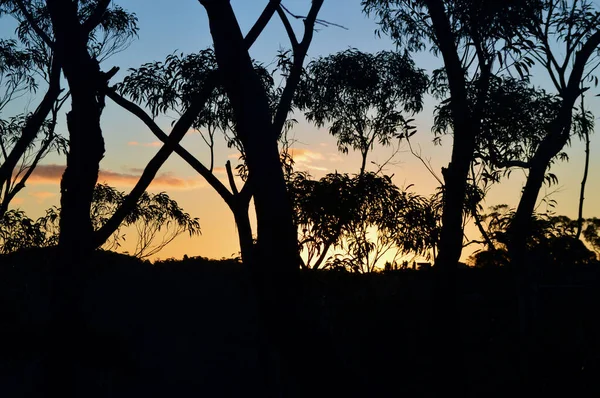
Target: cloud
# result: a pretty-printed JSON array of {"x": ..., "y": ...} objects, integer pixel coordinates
[
  {"x": 17, "y": 201},
  {"x": 52, "y": 173},
  {"x": 334, "y": 157},
  {"x": 219, "y": 170},
  {"x": 153, "y": 144},
  {"x": 318, "y": 168},
  {"x": 42, "y": 195},
  {"x": 301, "y": 155}
]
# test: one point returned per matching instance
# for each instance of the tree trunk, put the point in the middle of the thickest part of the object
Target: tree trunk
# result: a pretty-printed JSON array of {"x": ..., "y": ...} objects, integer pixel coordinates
[
  {"x": 244, "y": 229},
  {"x": 524, "y": 267},
  {"x": 586, "y": 169},
  {"x": 86, "y": 149},
  {"x": 445, "y": 349},
  {"x": 276, "y": 260}
]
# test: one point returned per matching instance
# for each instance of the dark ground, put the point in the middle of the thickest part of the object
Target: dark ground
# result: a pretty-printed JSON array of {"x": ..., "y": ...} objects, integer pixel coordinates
[{"x": 190, "y": 328}]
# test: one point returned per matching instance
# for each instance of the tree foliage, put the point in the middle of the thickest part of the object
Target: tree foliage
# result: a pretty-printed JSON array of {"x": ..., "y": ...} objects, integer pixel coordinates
[
  {"x": 552, "y": 241},
  {"x": 364, "y": 216},
  {"x": 364, "y": 97},
  {"x": 157, "y": 220}
]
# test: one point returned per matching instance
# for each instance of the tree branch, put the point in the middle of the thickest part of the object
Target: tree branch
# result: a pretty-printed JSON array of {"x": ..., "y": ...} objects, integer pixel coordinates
[
  {"x": 34, "y": 25},
  {"x": 285, "y": 102},
  {"x": 288, "y": 27},
  {"x": 96, "y": 18},
  {"x": 169, "y": 140},
  {"x": 261, "y": 22},
  {"x": 177, "y": 134},
  {"x": 230, "y": 178}
]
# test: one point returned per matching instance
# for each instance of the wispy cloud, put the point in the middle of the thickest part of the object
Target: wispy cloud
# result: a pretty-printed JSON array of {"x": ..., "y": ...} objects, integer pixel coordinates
[
  {"x": 17, "y": 201},
  {"x": 306, "y": 159},
  {"x": 41, "y": 196},
  {"x": 153, "y": 144},
  {"x": 302, "y": 155},
  {"x": 52, "y": 173}
]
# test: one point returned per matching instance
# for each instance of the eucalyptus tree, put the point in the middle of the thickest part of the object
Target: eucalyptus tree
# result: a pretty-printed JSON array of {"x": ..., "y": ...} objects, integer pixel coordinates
[
  {"x": 258, "y": 124},
  {"x": 364, "y": 97},
  {"x": 73, "y": 37},
  {"x": 24, "y": 64},
  {"x": 171, "y": 87},
  {"x": 363, "y": 216},
  {"x": 564, "y": 39},
  {"x": 475, "y": 41},
  {"x": 157, "y": 220}
]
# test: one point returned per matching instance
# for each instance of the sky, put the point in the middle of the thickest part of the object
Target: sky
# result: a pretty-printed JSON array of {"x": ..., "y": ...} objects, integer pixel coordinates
[{"x": 182, "y": 27}]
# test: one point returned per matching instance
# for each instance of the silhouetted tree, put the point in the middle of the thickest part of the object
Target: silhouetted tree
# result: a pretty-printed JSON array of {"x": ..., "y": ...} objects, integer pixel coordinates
[
  {"x": 571, "y": 25},
  {"x": 157, "y": 220},
  {"x": 274, "y": 258},
  {"x": 469, "y": 36},
  {"x": 583, "y": 126},
  {"x": 553, "y": 240},
  {"x": 173, "y": 86},
  {"x": 23, "y": 64},
  {"x": 475, "y": 41},
  {"x": 365, "y": 216},
  {"x": 78, "y": 34},
  {"x": 364, "y": 97}
]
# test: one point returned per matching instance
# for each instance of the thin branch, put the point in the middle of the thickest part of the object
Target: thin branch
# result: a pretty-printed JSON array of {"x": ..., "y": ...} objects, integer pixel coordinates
[
  {"x": 293, "y": 79},
  {"x": 317, "y": 21},
  {"x": 177, "y": 133},
  {"x": 261, "y": 22},
  {"x": 34, "y": 25},
  {"x": 170, "y": 140},
  {"x": 288, "y": 27},
  {"x": 96, "y": 18},
  {"x": 425, "y": 163},
  {"x": 230, "y": 178}
]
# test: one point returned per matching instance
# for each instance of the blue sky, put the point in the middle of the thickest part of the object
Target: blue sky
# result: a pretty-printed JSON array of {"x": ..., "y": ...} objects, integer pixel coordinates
[{"x": 167, "y": 26}]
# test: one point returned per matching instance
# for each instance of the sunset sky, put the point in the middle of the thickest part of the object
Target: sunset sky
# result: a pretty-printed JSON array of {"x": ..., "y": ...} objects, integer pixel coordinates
[{"x": 168, "y": 26}]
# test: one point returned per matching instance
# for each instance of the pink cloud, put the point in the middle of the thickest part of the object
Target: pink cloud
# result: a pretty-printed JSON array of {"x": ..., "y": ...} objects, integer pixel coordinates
[
  {"x": 52, "y": 173},
  {"x": 305, "y": 155},
  {"x": 42, "y": 195},
  {"x": 153, "y": 144}
]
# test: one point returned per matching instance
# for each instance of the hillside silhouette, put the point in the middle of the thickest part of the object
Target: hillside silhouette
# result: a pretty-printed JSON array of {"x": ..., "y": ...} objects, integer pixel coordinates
[{"x": 191, "y": 328}]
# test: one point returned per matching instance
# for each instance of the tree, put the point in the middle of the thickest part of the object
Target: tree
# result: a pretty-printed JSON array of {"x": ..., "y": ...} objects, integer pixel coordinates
[
  {"x": 21, "y": 65},
  {"x": 366, "y": 216},
  {"x": 72, "y": 26},
  {"x": 273, "y": 259},
  {"x": 553, "y": 240},
  {"x": 172, "y": 86},
  {"x": 157, "y": 219},
  {"x": 364, "y": 97},
  {"x": 573, "y": 25},
  {"x": 475, "y": 41},
  {"x": 77, "y": 33},
  {"x": 469, "y": 36}
]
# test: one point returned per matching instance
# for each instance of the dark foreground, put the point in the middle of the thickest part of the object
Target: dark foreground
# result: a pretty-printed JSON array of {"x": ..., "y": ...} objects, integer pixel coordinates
[{"x": 190, "y": 329}]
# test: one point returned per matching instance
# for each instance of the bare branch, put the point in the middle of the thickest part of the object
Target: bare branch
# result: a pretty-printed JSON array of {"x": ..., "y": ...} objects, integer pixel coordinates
[
  {"x": 261, "y": 22},
  {"x": 288, "y": 27}
]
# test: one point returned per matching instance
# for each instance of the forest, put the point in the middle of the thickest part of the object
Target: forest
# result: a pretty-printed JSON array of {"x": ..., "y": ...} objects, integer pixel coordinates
[{"x": 344, "y": 285}]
